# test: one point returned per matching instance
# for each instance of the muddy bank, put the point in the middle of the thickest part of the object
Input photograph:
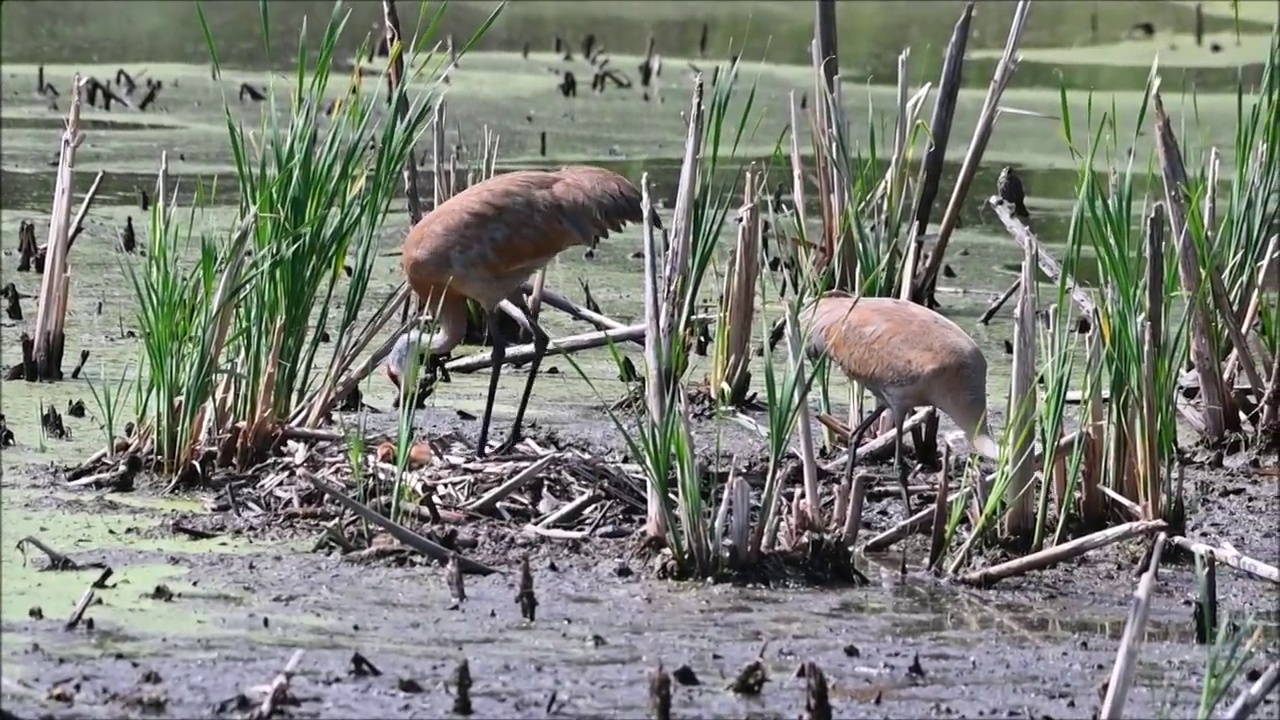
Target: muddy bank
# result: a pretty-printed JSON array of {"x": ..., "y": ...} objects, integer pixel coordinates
[
  {"x": 236, "y": 604},
  {"x": 899, "y": 647}
]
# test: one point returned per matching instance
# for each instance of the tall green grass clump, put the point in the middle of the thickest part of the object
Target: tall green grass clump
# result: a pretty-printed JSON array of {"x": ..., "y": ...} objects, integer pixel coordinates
[
  {"x": 233, "y": 362},
  {"x": 661, "y": 440}
]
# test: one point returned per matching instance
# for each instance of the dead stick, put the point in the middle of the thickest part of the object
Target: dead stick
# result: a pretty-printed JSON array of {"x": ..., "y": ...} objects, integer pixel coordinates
[
  {"x": 1023, "y": 236},
  {"x": 57, "y": 561},
  {"x": 278, "y": 691},
  {"x": 1230, "y": 557},
  {"x": 78, "y": 224},
  {"x": 78, "y": 614},
  {"x": 573, "y": 343},
  {"x": 496, "y": 495},
  {"x": 399, "y": 532},
  {"x": 1127, "y": 654},
  {"x": 880, "y": 444},
  {"x": 1253, "y": 696},
  {"x": 1056, "y": 554},
  {"x": 999, "y": 303},
  {"x": 920, "y": 521},
  {"x": 565, "y": 305},
  {"x": 570, "y": 511}
]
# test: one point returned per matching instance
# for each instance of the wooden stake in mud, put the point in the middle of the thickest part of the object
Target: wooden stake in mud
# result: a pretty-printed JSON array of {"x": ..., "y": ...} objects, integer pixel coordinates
[
  {"x": 817, "y": 701},
  {"x": 660, "y": 693},
  {"x": 462, "y": 689},
  {"x": 524, "y": 596},
  {"x": 52, "y": 308}
]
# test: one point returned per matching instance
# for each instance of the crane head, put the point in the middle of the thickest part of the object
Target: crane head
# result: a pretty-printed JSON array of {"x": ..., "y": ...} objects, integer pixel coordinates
[{"x": 430, "y": 371}]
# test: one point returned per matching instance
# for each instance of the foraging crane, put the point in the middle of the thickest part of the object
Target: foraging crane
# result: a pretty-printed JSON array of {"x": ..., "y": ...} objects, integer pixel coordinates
[
  {"x": 484, "y": 242},
  {"x": 906, "y": 355}
]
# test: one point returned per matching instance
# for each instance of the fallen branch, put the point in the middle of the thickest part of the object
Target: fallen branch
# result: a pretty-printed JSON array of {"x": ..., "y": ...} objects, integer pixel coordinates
[
  {"x": 874, "y": 448},
  {"x": 496, "y": 495},
  {"x": 57, "y": 561},
  {"x": 399, "y": 532},
  {"x": 576, "y": 311},
  {"x": 573, "y": 343},
  {"x": 999, "y": 302},
  {"x": 1048, "y": 265},
  {"x": 1253, "y": 696},
  {"x": 1230, "y": 556},
  {"x": 1056, "y": 554},
  {"x": 921, "y": 521},
  {"x": 277, "y": 693}
]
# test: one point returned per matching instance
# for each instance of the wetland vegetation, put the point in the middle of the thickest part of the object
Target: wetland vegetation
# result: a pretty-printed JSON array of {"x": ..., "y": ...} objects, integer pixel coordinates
[{"x": 236, "y": 483}]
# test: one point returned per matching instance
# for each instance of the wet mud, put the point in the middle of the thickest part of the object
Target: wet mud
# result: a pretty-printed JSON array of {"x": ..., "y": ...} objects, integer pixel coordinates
[{"x": 195, "y": 619}]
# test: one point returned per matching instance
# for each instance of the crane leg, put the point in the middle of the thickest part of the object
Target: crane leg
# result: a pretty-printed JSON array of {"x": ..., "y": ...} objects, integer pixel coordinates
[
  {"x": 541, "y": 341},
  {"x": 499, "y": 342},
  {"x": 898, "y": 464},
  {"x": 855, "y": 438}
]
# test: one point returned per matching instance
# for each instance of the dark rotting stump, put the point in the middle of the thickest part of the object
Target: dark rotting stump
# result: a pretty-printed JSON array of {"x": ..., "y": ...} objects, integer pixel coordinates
[
  {"x": 29, "y": 253},
  {"x": 6, "y": 435},
  {"x": 12, "y": 305},
  {"x": 462, "y": 689},
  {"x": 51, "y": 421},
  {"x": 79, "y": 368}
]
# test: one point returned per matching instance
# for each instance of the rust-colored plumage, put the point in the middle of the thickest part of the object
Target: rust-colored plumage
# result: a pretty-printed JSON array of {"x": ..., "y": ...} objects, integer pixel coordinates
[
  {"x": 907, "y": 356},
  {"x": 488, "y": 239}
]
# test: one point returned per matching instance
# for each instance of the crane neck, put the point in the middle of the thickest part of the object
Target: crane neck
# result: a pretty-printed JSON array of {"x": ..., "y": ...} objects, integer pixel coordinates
[{"x": 452, "y": 325}]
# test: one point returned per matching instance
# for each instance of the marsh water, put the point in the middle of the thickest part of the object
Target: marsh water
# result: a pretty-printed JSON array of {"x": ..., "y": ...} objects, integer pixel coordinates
[{"x": 245, "y": 601}]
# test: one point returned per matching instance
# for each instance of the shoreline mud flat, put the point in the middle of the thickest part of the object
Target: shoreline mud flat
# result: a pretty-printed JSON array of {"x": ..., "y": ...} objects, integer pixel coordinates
[{"x": 230, "y": 608}]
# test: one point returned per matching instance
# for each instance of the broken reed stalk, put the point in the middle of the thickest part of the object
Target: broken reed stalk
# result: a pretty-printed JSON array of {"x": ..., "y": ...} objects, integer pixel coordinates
[
  {"x": 812, "y": 495},
  {"x": 1028, "y": 241},
  {"x": 1000, "y": 80},
  {"x": 395, "y": 77},
  {"x": 944, "y": 110},
  {"x": 730, "y": 376},
  {"x": 1254, "y": 695},
  {"x": 1092, "y": 475},
  {"x": 51, "y": 309},
  {"x": 1020, "y": 506},
  {"x": 1229, "y": 556},
  {"x": 1267, "y": 269},
  {"x": 680, "y": 241},
  {"x": 660, "y": 693},
  {"x": 1148, "y": 464},
  {"x": 938, "y": 540},
  {"x": 1056, "y": 554},
  {"x": 654, "y": 355},
  {"x": 1217, "y": 409},
  {"x": 77, "y": 225},
  {"x": 1126, "y": 666},
  {"x": 817, "y": 699},
  {"x": 399, "y": 532}
]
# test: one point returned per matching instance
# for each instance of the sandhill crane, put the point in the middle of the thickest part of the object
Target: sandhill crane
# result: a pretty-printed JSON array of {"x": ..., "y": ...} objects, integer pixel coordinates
[
  {"x": 484, "y": 242},
  {"x": 907, "y": 355}
]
